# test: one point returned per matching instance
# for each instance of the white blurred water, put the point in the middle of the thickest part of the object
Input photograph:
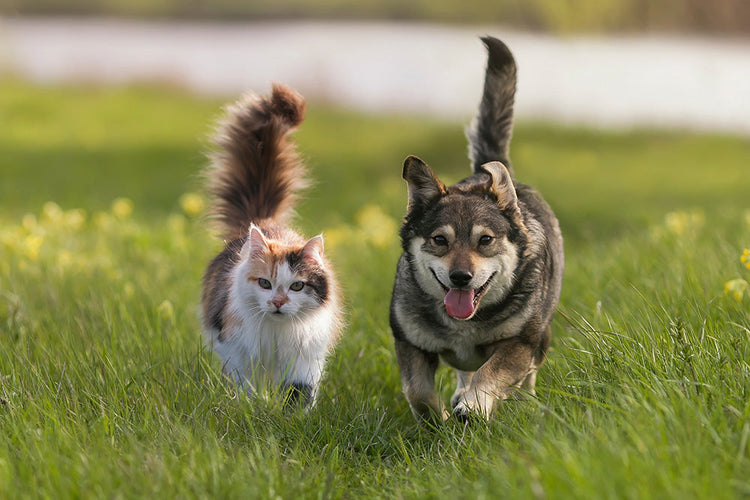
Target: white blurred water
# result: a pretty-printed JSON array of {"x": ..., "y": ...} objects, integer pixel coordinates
[{"x": 689, "y": 83}]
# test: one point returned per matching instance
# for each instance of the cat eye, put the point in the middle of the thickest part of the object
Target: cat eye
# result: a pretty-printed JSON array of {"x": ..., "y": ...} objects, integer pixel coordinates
[
  {"x": 297, "y": 286},
  {"x": 486, "y": 240},
  {"x": 440, "y": 240},
  {"x": 264, "y": 283}
]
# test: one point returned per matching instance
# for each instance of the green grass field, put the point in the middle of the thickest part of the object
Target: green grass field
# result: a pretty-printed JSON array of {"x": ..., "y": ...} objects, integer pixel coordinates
[{"x": 106, "y": 389}]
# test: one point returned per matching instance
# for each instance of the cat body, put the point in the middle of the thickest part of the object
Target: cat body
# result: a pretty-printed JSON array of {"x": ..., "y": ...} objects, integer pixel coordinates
[{"x": 270, "y": 300}]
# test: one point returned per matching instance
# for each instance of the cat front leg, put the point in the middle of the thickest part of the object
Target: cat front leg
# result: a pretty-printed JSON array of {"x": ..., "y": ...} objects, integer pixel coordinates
[
  {"x": 302, "y": 381},
  {"x": 300, "y": 394}
]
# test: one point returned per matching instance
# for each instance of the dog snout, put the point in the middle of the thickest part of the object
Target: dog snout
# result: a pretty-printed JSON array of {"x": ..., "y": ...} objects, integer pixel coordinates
[{"x": 460, "y": 277}]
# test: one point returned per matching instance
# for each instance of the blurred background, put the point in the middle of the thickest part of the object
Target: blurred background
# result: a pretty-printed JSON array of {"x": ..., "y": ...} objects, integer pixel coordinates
[
  {"x": 604, "y": 63},
  {"x": 627, "y": 101}
]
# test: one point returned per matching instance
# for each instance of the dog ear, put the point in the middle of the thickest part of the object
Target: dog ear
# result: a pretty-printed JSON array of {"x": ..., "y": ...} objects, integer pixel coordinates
[
  {"x": 423, "y": 185},
  {"x": 501, "y": 185}
]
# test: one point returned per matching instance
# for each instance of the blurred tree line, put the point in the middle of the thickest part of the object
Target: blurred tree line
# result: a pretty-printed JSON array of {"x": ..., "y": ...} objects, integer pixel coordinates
[{"x": 554, "y": 16}]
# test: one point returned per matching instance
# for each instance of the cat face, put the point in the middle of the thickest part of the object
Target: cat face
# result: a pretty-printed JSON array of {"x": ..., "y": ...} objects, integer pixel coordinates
[{"x": 282, "y": 281}]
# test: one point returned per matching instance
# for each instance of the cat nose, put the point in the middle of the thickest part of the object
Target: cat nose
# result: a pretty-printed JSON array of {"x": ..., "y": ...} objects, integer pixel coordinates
[
  {"x": 279, "y": 301},
  {"x": 460, "y": 277}
]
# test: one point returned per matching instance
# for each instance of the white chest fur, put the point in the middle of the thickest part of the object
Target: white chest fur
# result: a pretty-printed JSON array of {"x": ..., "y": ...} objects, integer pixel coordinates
[
  {"x": 458, "y": 342},
  {"x": 259, "y": 348}
]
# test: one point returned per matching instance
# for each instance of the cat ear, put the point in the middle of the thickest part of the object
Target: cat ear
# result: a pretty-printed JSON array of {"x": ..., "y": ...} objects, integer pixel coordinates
[
  {"x": 501, "y": 185},
  {"x": 313, "y": 249},
  {"x": 257, "y": 246},
  {"x": 423, "y": 184}
]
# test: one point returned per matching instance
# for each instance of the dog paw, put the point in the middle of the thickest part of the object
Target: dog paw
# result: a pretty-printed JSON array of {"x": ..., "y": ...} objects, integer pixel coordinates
[
  {"x": 470, "y": 408},
  {"x": 466, "y": 414},
  {"x": 461, "y": 412},
  {"x": 430, "y": 416},
  {"x": 457, "y": 397}
]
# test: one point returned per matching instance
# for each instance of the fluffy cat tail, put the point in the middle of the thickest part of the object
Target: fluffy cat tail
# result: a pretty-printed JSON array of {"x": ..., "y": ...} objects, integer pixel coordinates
[
  {"x": 491, "y": 130},
  {"x": 256, "y": 171}
]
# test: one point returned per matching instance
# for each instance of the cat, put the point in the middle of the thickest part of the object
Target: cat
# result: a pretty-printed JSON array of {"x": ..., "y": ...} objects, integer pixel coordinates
[{"x": 270, "y": 300}]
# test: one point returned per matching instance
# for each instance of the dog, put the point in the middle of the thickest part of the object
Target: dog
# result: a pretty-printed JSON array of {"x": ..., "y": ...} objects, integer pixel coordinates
[{"x": 481, "y": 270}]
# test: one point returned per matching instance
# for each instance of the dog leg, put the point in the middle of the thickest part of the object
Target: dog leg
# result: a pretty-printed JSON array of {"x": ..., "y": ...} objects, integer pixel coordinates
[
  {"x": 510, "y": 364},
  {"x": 463, "y": 380},
  {"x": 528, "y": 383},
  {"x": 418, "y": 380}
]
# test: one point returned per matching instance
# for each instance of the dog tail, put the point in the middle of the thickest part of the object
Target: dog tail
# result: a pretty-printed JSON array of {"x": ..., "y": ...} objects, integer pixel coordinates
[
  {"x": 490, "y": 132},
  {"x": 256, "y": 172}
]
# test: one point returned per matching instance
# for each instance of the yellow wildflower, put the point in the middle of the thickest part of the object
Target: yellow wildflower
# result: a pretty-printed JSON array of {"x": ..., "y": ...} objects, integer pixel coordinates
[
  {"x": 736, "y": 288},
  {"x": 192, "y": 204},
  {"x": 28, "y": 222},
  {"x": 676, "y": 222},
  {"x": 31, "y": 245},
  {"x": 377, "y": 226},
  {"x": 128, "y": 290},
  {"x": 745, "y": 258},
  {"x": 74, "y": 219},
  {"x": 679, "y": 222},
  {"x": 166, "y": 310},
  {"x": 122, "y": 208},
  {"x": 335, "y": 236},
  {"x": 103, "y": 220},
  {"x": 64, "y": 260},
  {"x": 52, "y": 212},
  {"x": 12, "y": 237}
]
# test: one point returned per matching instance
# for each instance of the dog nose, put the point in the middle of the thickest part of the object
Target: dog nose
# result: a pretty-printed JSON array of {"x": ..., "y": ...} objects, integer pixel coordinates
[{"x": 459, "y": 277}]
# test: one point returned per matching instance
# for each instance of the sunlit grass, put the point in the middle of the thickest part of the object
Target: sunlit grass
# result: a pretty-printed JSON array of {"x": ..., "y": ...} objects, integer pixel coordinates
[{"x": 106, "y": 389}]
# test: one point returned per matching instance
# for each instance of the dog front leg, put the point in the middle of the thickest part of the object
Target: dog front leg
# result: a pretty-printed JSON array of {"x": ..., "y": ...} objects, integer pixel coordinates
[
  {"x": 418, "y": 380},
  {"x": 509, "y": 365},
  {"x": 463, "y": 381}
]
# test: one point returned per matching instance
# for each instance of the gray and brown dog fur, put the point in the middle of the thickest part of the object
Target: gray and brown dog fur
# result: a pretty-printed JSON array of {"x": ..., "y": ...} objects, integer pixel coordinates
[{"x": 481, "y": 270}]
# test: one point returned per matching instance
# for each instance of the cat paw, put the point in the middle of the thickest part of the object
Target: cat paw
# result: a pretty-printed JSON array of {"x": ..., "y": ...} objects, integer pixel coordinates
[{"x": 299, "y": 395}]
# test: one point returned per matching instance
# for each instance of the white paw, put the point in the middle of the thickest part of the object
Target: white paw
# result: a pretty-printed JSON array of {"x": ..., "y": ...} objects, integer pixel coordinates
[{"x": 470, "y": 404}]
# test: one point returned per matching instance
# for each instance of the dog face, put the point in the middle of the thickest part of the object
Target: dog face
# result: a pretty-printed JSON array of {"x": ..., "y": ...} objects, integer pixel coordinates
[{"x": 465, "y": 240}]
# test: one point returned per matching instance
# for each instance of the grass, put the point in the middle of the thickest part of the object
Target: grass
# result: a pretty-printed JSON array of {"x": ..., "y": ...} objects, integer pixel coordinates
[{"x": 107, "y": 391}]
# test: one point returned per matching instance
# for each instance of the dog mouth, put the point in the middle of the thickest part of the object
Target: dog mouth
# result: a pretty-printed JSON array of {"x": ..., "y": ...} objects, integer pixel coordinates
[{"x": 460, "y": 303}]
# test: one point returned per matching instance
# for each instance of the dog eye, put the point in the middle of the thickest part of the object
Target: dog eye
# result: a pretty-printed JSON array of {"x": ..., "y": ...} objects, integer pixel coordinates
[
  {"x": 296, "y": 286},
  {"x": 485, "y": 240},
  {"x": 264, "y": 283},
  {"x": 440, "y": 240}
]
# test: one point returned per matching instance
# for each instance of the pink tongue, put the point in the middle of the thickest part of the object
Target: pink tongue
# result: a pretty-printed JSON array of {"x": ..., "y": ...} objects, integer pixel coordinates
[{"x": 459, "y": 303}]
